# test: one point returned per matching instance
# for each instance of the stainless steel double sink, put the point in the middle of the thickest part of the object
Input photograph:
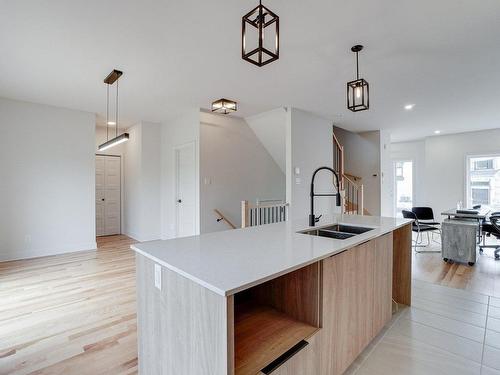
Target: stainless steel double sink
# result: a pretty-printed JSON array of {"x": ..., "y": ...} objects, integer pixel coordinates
[{"x": 337, "y": 231}]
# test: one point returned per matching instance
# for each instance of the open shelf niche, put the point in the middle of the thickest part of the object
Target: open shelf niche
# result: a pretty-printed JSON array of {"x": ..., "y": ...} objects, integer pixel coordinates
[{"x": 271, "y": 318}]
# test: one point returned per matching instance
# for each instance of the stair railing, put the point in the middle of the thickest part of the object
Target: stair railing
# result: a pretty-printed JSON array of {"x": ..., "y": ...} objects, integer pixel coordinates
[
  {"x": 338, "y": 160},
  {"x": 263, "y": 212},
  {"x": 353, "y": 197},
  {"x": 352, "y": 190}
]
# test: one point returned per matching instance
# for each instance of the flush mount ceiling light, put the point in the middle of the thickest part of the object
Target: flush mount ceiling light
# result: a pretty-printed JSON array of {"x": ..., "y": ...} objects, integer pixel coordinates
[
  {"x": 409, "y": 107},
  {"x": 437, "y": 131},
  {"x": 358, "y": 94},
  {"x": 260, "y": 33},
  {"x": 110, "y": 80},
  {"x": 224, "y": 106}
]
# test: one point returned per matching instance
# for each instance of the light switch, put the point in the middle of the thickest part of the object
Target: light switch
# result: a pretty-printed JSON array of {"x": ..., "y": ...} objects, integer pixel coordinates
[
  {"x": 158, "y": 276},
  {"x": 297, "y": 171}
]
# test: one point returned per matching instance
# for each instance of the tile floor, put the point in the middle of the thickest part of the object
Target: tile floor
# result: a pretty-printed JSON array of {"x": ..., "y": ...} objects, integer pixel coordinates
[{"x": 446, "y": 331}]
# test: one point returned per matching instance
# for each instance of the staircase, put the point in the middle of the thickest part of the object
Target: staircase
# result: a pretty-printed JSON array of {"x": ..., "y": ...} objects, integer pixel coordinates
[{"x": 350, "y": 186}]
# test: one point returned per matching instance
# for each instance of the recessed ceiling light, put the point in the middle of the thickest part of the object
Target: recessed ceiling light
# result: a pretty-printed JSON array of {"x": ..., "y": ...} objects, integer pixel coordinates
[
  {"x": 409, "y": 107},
  {"x": 111, "y": 123},
  {"x": 437, "y": 131}
]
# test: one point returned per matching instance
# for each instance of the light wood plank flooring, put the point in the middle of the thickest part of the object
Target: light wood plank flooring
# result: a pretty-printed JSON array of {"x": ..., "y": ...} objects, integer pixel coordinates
[
  {"x": 483, "y": 277},
  {"x": 70, "y": 314},
  {"x": 76, "y": 313}
]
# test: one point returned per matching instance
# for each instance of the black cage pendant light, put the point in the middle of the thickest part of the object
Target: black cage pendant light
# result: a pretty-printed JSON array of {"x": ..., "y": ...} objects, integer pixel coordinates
[
  {"x": 358, "y": 93},
  {"x": 260, "y": 33},
  {"x": 117, "y": 139}
]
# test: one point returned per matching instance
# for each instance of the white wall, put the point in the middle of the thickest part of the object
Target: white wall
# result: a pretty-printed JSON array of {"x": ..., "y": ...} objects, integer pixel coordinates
[
  {"x": 308, "y": 146},
  {"x": 270, "y": 129},
  {"x": 132, "y": 186},
  {"x": 176, "y": 132},
  {"x": 386, "y": 178},
  {"x": 47, "y": 180},
  {"x": 142, "y": 180},
  {"x": 363, "y": 159},
  {"x": 440, "y": 165},
  {"x": 234, "y": 166}
]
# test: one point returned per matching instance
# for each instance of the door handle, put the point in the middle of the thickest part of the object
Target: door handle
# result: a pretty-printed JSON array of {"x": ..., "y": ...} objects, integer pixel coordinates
[
  {"x": 284, "y": 357},
  {"x": 102, "y": 199},
  {"x": 179, "y": 200}
]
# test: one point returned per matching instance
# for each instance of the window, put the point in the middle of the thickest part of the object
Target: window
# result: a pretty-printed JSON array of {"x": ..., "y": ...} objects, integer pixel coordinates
[
  {"x": 480, "y": 192},
  {"x": 399, "y": 170},
  {"x": 483, "y": 164},
  {"x": 483, "y": 180}
]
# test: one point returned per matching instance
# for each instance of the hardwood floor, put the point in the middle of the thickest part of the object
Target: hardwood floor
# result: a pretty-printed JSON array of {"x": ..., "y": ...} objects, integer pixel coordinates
[
  {"x": 483, "y": 277},
  {"x": 70, "y": 314},
  {"x": 76, "y": 313}
]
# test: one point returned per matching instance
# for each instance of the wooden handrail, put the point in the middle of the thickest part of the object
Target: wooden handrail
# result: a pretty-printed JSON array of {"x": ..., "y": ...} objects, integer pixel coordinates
[
  {"x": 352, "y": 177},
  {"x": 223, "y": 218},
  {"x": 336, "y": 140},
  {"x": 349, "y": 180}
]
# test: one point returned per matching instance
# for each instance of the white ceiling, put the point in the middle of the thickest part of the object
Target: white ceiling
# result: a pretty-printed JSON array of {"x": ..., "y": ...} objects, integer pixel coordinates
[{"x": 443, "y": 55}]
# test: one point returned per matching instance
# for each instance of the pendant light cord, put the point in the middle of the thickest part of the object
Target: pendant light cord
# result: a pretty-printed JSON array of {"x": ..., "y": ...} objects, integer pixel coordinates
[
  {"x": 357, "y": 66},
  {"x": 107, "y": 112},
  {"x": 116, "y": 117}
]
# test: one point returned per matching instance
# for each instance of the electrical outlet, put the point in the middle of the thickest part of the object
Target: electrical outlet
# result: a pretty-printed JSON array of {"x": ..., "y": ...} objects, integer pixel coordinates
[
  {"x": 158, "y": 276},
  {"x": 298, "y": 181}
]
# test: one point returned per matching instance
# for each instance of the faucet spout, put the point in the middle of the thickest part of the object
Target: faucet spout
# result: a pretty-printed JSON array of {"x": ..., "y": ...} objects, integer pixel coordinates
[{"x": 312, "y": 218}]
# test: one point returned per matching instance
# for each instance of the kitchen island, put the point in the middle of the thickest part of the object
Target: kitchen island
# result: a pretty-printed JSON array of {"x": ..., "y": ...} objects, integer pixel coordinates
[{"x": 276, "y": 298}]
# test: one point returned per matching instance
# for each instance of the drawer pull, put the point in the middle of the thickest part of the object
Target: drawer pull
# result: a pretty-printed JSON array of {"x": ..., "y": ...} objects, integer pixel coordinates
[{"x": 284, "y": 357}]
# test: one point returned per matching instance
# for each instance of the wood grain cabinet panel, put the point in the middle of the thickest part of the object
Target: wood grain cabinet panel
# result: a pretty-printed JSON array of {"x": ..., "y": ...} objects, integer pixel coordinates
[
  {"x": 401, "y": 279},
  {"x": 357, "y": 302},
  {"x": 169, "y": 319},
  {"x": 382, "y": 283},
  {"x": 305, "y": 362}
]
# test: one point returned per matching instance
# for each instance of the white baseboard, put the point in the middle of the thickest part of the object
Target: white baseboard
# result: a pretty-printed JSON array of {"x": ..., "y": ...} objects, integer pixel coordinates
[
  {"x": 142, "y": 238},
  {"x": 48, "y": 251}
]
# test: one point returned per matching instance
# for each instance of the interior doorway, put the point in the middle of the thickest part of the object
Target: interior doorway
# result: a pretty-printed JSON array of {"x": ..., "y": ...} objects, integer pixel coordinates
[
  {"x": 185, "y": 190},
  {"x": 403, "y": 181},
  {"x": 108, "y": 195}
]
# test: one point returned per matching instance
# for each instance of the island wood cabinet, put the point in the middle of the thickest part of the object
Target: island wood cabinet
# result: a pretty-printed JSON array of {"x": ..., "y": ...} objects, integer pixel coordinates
[
  {"x": 357, "y": 301},
  {"x": 312, "y": 321}
]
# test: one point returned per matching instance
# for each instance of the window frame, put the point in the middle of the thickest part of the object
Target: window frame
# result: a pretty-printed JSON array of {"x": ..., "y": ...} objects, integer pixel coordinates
[{"x": 468, "y": 187}]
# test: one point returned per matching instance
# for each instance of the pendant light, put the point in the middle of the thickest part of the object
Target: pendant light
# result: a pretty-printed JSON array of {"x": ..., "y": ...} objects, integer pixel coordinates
[
  {"x": 358, "y": 94},
  {"x": 110, "y": 80},
  {"x": 260, "y": 36},
  {"x": 224, "y": 106}
]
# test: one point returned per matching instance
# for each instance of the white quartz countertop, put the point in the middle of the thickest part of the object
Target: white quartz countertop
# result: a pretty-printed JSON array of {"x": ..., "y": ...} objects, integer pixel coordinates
[{"x": 234, "y": 260}]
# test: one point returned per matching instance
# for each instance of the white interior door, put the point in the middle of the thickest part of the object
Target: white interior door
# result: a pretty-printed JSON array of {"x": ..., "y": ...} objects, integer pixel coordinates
[
  {"x": 185, "y": 200},
  {"x": 108, "y": 195}
]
